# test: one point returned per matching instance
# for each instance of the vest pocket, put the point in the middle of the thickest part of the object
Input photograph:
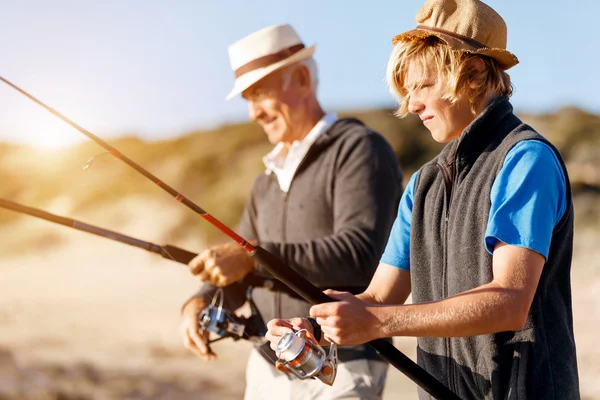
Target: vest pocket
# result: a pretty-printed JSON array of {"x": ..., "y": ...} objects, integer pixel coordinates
[
  {"x": 509, "y": 379},
  {"x": 518, "y": 375}
]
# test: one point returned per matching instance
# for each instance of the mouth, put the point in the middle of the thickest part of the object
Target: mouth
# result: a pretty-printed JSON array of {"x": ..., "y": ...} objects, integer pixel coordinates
[
  {"x": 426, "y": 119},
  {"x": 268, "y": 122}
]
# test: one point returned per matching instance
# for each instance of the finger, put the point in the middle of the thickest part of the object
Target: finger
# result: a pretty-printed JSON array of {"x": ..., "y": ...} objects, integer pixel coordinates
[
  {"x": 199, "y": 341},
  {"x": 189, "y": 344},
  {"x": 195, "y": 350},
  {"x": 279, "y": 327},
  {"x": 323, "y": 321},
  {"x": 334, "y": 294},
  {"x": 324, "y": 310},
  {"x": 215, "y": 272},
  {"x": 222, "y": 281},
  {"x": 331, "y": 335},
  {"x": 196, "y": 265},
  {"x": 333, "y": 321},
  {"x": 299, "y": 323},
  {"x": 215, "y": 275},
  {"x": 203, "y": 276},
  {"x": 277, "y": 331},
  {"x": 207, "y": 352},
  {"x": 210, "y": 354},
  {"x": 329, "y": 292},
  {"x": 279, "y": 322}
]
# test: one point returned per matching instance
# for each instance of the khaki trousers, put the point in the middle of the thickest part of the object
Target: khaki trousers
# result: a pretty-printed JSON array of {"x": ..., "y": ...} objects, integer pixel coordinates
[{"x": 357, "y": 379}]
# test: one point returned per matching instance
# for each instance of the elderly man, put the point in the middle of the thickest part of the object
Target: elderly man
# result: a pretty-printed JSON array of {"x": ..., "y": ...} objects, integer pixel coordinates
[
  {"x": 484, "y": 234},
  {"x": 324, "y": 205}
]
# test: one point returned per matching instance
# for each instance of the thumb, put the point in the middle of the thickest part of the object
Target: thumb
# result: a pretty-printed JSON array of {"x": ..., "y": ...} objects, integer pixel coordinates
[{"x": 334, "y": 294}]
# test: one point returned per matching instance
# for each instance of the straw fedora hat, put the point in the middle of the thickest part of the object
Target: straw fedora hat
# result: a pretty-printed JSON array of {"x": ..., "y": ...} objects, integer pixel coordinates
[
  {"x": 263, "y": 52},
  {"x": 468, "y": 25}
]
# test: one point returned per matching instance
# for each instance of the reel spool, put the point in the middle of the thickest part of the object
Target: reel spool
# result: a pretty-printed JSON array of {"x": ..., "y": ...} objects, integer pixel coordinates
[
  {"x": 300, "y": 353},
  {"x": 217, "y": 319}
]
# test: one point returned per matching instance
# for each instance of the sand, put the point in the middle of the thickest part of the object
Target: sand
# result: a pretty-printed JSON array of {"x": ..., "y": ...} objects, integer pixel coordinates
[{"x": 87, "y": 318}]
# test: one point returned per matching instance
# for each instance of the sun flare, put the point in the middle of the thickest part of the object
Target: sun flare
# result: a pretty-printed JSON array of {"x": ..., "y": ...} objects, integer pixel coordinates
[{"x": 48, "y": 132}]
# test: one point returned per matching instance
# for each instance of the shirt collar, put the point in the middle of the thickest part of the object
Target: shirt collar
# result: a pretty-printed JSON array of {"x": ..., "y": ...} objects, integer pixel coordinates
[{"x": 276, "y": 157}]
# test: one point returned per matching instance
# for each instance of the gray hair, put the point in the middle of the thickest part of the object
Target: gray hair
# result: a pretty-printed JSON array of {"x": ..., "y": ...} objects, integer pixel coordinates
[{"x": 311, "y": 65}]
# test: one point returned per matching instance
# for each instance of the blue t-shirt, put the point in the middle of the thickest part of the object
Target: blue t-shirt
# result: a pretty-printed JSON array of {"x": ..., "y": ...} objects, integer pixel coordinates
[{"x": 523, "y": 212}]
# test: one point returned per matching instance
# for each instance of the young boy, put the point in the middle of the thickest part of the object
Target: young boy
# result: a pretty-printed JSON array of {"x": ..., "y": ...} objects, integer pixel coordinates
[{"x": 484, "y": 234}]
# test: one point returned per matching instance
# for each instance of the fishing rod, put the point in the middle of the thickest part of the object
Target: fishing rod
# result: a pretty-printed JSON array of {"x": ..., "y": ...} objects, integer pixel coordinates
[
  {"x": 269, "y": 262},
  {"x": 214, "y": 318},
  {"x": 167, "y": 251}
]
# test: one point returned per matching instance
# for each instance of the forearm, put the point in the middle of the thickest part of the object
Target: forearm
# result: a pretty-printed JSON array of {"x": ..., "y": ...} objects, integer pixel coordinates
[{"x": 487, "y": 309}]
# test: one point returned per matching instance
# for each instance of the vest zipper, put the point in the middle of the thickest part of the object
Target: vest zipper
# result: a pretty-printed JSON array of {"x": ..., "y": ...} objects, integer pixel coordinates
[{"x": 448, "y": 174}]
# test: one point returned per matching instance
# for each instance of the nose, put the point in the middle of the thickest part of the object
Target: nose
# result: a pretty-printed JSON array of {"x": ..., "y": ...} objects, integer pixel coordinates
[
  {"x": 415, "y": 105},
  {"x": 255, "y": 111}
]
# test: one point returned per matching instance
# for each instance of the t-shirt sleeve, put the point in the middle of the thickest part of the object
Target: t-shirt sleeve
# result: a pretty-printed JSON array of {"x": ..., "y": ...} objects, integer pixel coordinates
[
  {"x": 528, "y": 198},
  {"x": 397, "y": 250}
]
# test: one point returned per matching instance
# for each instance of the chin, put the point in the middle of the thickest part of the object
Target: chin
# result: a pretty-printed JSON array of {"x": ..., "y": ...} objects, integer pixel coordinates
[
  {"x": 274, "y": 138},
  {"x": 439, "y": 138}
]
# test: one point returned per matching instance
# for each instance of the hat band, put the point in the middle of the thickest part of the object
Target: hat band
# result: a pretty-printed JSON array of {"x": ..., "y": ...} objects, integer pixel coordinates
[
  {"x": 267, "y": 60},
  {"x": 466, "y": 39}
]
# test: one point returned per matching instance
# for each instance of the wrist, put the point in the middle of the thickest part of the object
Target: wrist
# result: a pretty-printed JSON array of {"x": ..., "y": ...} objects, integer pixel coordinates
[
  {"x": 381, "y": 325},
  {"x": 195, "y": 304}
]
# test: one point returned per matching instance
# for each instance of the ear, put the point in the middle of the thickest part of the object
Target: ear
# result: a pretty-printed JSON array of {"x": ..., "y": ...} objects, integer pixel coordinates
[
  {"x": 477, "y": 66},
  {"x": 303, "y": 80}
]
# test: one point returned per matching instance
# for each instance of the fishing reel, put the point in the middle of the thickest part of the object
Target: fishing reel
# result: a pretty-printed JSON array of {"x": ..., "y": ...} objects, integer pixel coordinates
[
  {"x": 300, "y": 353},
  {"x": 225, "y": 324}
]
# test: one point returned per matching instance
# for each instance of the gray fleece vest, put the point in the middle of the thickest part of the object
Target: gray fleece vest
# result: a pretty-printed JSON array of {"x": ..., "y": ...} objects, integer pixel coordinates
[{"x": 448, "y": 256}]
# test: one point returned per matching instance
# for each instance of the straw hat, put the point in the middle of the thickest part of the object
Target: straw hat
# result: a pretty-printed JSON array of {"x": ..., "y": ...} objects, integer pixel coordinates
[
  {"x": 469, "y": 25},
  {"x": 263, "y": 52}
]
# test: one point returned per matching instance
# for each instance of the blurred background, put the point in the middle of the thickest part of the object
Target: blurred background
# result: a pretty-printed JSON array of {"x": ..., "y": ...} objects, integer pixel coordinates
[{"x": 83, "y": 317}]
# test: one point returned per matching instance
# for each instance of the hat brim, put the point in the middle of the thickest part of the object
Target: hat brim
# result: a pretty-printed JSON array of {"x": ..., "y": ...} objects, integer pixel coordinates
[
  {"x": 505, "y": 58},
  {"x": 248, "y": 79}
]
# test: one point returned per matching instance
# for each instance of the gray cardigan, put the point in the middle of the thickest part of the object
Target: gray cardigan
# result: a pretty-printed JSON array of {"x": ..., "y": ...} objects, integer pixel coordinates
[{"x": 332, "y": 225}]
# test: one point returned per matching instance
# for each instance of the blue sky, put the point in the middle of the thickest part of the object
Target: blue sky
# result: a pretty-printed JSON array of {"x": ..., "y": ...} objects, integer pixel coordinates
[{"x": 158, "y": 69}]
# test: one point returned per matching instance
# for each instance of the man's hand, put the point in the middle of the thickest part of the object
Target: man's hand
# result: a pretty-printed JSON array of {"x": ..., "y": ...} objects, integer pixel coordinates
[
  {"x": 222, "y": 265},
  {"x": 193, "y": 336},
  {"x": 348, "y": 321}
]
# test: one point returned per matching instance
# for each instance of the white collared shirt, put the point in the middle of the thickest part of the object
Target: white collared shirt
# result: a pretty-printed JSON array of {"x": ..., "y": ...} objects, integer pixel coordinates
[{"x": 285, "y": 165}]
